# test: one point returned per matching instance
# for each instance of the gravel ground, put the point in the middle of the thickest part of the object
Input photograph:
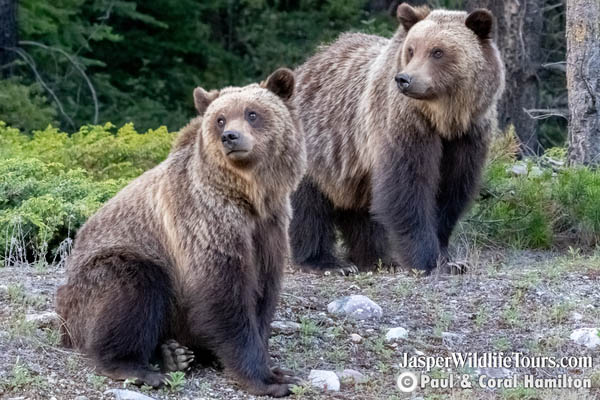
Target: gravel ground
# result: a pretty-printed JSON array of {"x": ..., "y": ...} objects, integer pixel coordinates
[{"x": 510, "y": 301}]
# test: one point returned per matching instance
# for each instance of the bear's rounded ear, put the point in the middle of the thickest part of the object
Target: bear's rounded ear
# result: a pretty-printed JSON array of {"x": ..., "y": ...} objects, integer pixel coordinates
[
  {"x": 202, "y": 99},
  {"x": 280, "y": 82},
  {"x": 408, "y": 15},
  {"x": 481, "y": 21}
]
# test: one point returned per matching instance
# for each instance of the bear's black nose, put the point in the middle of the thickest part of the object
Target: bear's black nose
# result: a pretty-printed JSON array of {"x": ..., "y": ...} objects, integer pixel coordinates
[
  {"x": 230, "y": 136},
  {"x": 403, "y": 80}
]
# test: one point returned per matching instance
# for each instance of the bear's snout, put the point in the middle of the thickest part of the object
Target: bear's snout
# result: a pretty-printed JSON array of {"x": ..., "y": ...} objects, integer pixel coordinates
[
  {"x": 236, "y": 145},
  {"x": 230, "y": 138},
  {"x": 403, "y": 81}
]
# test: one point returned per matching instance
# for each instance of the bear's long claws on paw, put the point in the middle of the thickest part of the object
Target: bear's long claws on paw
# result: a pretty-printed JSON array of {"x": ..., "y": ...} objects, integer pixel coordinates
[
  {"x": 347, "y": 270},
  {"x": 454, "y": 267},
  {"x": 175, "y": 356},
  {"x": 285, "y": 376}
]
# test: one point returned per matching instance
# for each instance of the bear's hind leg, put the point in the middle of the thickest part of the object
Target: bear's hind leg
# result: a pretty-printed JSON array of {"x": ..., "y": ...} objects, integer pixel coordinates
[
  {"x": 312, "y": 231},
  {"x": 130, "y": 310}
]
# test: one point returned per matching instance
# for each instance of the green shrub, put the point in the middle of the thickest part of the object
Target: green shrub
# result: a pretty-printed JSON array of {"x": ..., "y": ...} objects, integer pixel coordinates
[
  {"x": 50, "y": 182},
  {"x": 99, "y": 150},
  {"x": 536, "y": 202},
  {"x": 42, "y": 204}
]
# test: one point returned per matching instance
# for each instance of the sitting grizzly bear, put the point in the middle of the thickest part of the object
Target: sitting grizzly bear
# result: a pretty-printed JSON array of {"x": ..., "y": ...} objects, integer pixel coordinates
[
  {"x": 187, "y": 260},
  {"x": 397, "y": 133}
]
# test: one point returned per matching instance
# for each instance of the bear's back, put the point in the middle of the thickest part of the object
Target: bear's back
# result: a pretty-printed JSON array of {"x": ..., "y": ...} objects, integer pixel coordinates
[{"x": 330, "y": 91}]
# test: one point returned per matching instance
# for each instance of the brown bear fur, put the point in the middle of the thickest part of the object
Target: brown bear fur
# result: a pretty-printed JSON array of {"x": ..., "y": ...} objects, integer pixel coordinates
[
  {"x": 191, "y": 253},
  {"x": 393, "y": 167}
]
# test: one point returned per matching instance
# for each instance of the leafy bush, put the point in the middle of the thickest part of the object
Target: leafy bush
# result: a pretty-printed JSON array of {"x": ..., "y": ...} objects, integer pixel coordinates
[
  {"x": 43, "y": 203},
  {"x": 50, "y": 182},
  {"x": 535, "y": 203},
  {"x": 97, "y": 149}
]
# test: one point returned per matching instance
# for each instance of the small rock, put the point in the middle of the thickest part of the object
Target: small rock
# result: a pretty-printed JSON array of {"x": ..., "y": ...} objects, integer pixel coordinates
[
  {"x": 44, "y": 320},
  {"x": 587, "y": 337},
  {"x": 123, "y": 394},
  {"x": 494, "y": 372},
  {"x": 355, "y": 306},
  {"x": 356, "y": 338},
  {"x": 450, "y": 339},
  {"x": 351, "y": 376},
  {"x": 394, "y": 334},
  {"x": 419, "y": 352},
  {"x": 285, "y": 327},
  {"x": 80, "y": 398},
  {"x": 518, "y": 169},
  {"x": 326, "y": 380},
  {"x": 575, "y": 316}
]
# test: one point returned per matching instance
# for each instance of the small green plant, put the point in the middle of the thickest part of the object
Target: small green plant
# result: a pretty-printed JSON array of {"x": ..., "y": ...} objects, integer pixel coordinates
[
  {"x": 442, "y": 323},
  {"x": 560, "y": 312},
  {"x": 52, "y": 336},
  {"x": 380, "y": 347},
  {"x": 301, "y": 390},
  {"x": 501, "y": 344},
  {"x": 97, "y": 381},
  {"x": 482, "y": 317},
  {"x": 520, "y": 393},
  {"x": 16, "y": 293},
  {"x": 308, "y": 327},
  {"x": 19, "y": 326},
  {"x": 176, "y": 381},
  {"x": 20, "y": 378}
]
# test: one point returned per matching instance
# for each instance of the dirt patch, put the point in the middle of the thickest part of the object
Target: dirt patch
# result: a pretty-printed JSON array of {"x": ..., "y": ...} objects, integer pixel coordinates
[{"x": 526, "y": 302}]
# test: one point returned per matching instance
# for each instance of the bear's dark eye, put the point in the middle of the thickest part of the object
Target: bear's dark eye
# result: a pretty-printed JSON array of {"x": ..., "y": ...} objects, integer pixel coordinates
[
  {"x": 252, "y": 116},
  {"x": 221, "y": 122},
  {"x": 437, "y": 53},
  {"x": 411, "y": 52}
]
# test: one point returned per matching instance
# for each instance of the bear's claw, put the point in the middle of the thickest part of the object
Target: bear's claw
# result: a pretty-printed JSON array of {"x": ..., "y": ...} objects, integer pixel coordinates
[{"x": 175, "y": 356}]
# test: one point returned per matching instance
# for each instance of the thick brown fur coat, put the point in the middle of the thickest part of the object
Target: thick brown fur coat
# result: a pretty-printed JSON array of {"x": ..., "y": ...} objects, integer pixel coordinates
[
  {"x": 191, "y": 253},
  {"x": 397, "y": 132}
]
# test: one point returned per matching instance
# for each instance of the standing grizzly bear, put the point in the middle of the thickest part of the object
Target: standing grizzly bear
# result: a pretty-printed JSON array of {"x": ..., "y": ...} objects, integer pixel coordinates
[
  {"x": 397, "y": 133},
  {"x": 190, "y": 254}
]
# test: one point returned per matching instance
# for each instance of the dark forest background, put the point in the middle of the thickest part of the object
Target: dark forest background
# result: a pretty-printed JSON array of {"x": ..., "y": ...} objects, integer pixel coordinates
[{"x": 75, "y": 62}]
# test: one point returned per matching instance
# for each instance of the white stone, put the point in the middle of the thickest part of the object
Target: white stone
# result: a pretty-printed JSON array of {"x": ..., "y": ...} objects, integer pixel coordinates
[
  {"x": 123, "y": 394},
  {"x": 326, "y": 380},
  {"x": 352, "y": 376},
  {"x": 518, "y": 169},
  {"x": 43, "y": 320},
  {"x": 495, "y": 372},
  {"x": 285, "y": 327},
  {"x": 587, "y": 337},
  {"x": 394, "y": 334},
  {"x": 355, "y": 306},
  {"x": 575, "y": 316},
  {"x": 356, "y": 338}
]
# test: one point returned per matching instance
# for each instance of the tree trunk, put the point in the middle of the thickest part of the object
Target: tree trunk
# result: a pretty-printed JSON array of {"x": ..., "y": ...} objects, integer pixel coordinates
[
  {"x": 518, "y": 35},
  {"x": 583, "y": 81},
  {"x": 8, "y": 35}
]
